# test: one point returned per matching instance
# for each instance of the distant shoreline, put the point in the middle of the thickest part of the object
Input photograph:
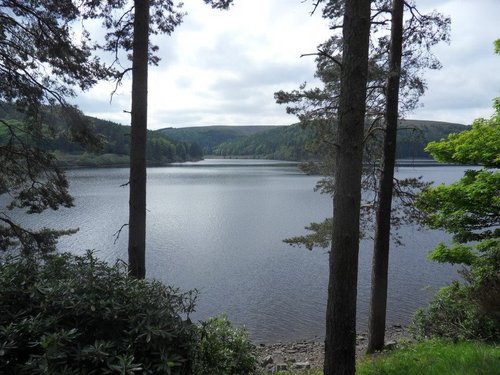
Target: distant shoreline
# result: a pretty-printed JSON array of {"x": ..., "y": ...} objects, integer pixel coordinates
[
  {"x": 118, "y": 161},
  {"x": 399, "y": 162}
]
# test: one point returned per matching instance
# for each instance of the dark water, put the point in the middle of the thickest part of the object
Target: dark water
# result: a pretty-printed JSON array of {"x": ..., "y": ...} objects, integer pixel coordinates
[{"x": 218, "y": 226}]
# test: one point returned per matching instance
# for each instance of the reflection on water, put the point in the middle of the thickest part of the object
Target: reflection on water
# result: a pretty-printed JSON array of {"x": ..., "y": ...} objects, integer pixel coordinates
[{"x": 218, "y": 226}]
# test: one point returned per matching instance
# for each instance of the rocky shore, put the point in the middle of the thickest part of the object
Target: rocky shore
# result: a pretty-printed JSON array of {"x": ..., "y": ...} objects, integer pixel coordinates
[{"x": 305, "y": 355}]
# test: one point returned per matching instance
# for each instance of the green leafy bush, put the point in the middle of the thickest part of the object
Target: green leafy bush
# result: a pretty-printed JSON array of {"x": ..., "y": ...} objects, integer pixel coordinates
[
  {"x": 468, "y": 310},
  {"x": 453, "y": 314},
  {"x": 66, "y": 314},
  {"x": 223, "y": 349}
]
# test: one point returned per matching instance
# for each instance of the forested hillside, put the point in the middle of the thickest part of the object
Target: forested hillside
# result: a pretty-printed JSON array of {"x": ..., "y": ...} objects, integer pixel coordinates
[
  {"x": 181, "y": 144},
  {"x": 209, "y": 137},
  {"x": 291, "y": 142},
  {"x": 414, "y": 135},
  {"x": 283, "y": 143},
  {"x": 115, "y": 147}
]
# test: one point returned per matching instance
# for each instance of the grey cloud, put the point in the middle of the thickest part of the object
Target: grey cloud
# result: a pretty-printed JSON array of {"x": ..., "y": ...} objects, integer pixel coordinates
[
  {"x": 227, "y": 54},
  {"x": 459, "y": 92},
  {"x": 101, "y": 104},
  {"x": 179, "y": 118},
  {"x": 270, "y": 74},
  {"x": 184, "y": 82},
  {"x": 251, "y": 110}
]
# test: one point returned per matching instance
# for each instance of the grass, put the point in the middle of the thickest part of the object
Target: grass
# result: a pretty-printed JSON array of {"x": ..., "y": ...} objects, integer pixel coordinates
[{"x": 433, "y": 357}]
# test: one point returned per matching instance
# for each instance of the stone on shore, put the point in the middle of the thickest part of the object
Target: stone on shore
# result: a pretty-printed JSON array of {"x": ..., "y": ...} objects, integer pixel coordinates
[
  {"x": 301, "y": 366},
  {"x": 309, "y": 355}
]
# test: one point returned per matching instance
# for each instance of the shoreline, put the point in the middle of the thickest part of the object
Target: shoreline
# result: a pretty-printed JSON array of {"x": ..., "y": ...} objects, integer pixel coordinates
[{"x": 309, "y": 354}]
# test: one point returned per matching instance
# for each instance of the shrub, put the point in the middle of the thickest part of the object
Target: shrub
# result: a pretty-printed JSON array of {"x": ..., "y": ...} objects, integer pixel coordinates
[
  {"x": 223, "y": 349},
  {"x": 469, "y": 310},
  {"x": 453, "y": 314},
  {"x": 484, "y": 278},
  {"x": 68, "y": 314}
]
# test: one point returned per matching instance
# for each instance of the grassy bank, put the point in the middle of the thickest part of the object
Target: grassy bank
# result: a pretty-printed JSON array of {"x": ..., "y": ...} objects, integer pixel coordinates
[{"x": 432, "y": 357}]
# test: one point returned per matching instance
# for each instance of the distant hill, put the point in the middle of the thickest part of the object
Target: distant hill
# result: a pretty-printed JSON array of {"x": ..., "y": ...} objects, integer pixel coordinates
[
  {"x": 290, "y": 142},
  {"x": 209, "y": 137},
  {"x": 160, "y": 148},
  {"x": 413, "y": 136},
  {"x": 181, "y": 144}
]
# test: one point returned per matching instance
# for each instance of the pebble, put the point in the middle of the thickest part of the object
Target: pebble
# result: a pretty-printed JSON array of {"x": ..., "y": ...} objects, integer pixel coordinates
[{"x": 305, "y": 355}]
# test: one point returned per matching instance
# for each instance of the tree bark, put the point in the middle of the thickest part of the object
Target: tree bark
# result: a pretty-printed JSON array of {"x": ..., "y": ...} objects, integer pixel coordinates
[
  {"x": 139, "y": 121},
  {"x": 340, "y": 340},
  {"x": 380, "y": 265}
]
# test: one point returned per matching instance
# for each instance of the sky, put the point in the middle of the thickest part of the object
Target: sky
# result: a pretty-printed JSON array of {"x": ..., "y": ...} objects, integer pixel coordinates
[{"x": 223, "y": 67}]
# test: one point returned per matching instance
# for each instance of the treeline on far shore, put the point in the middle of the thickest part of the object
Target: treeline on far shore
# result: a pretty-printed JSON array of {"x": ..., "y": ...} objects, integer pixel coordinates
[
  {"x": 114, "y": 148},
  {"x": 294, "y": 142}
]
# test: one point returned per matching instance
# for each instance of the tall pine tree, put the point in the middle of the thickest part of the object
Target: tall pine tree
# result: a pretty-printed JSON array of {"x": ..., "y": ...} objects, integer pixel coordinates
[{"x": 340, "y": 340}]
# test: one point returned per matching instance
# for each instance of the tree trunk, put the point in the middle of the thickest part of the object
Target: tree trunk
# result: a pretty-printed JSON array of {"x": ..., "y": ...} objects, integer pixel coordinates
[
  {"x": 139, "y": 121},
  {"x": 376, "y": 324},
  {"x": 340, "y": 341}
]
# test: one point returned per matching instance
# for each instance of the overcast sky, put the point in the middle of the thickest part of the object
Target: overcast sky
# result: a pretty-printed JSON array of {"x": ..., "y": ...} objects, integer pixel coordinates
[{"x": 222, "y": 68}]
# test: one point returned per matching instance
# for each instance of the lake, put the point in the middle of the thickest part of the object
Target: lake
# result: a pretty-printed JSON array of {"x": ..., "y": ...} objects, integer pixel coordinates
[{"x": 218, "y": 226}]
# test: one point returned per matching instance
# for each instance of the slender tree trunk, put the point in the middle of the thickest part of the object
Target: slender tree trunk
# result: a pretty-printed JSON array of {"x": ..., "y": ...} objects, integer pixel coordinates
[
  {"x": 340, "y": 341},
  {"x": 137, "y": 200},
  {"x": 376, "y": 324}
]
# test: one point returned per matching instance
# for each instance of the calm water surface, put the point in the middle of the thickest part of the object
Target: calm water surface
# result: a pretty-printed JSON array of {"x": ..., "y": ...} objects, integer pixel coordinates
[{"x": 218, "y": 226}]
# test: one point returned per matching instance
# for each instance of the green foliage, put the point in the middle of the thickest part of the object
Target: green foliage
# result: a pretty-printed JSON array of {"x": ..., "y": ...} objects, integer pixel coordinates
[
  {"x": 468, "y": 208},
  {"x": 33, "y": 182},
  {"x": 478, "y": 146},
  {"x": 77, "y": 315},
  {"x": 321, "y": 235},
  {"x": 434, "y": 357},
  {"x": 484, "y": 279},
  {"x": 222, "y": 349},
  {"x": 457, "y": 254}
]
